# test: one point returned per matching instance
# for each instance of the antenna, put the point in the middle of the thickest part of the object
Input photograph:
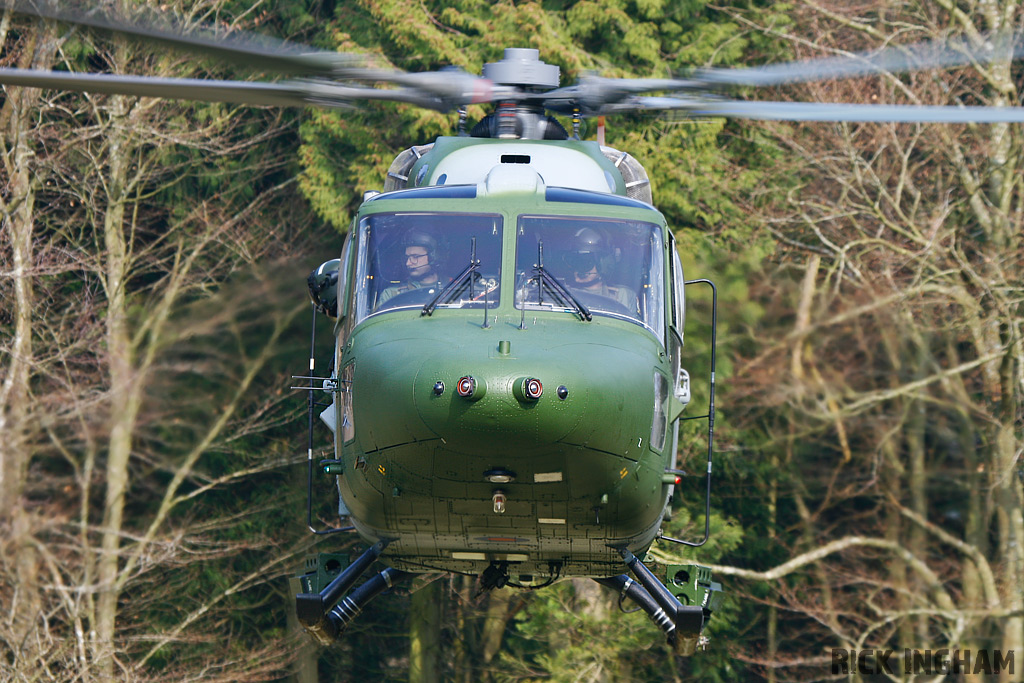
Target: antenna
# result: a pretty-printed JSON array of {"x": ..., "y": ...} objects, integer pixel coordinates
[{"x": 312, "y": 404}]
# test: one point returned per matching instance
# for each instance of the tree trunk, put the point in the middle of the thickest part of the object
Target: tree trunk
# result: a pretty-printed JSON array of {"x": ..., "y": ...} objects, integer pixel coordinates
[
  {"x": 494, "y": 622},
  {"x": 305, "y": 669},
  {"x": 124, "y": 384},
  {"x": 18, "y": 206},
  {"x": 425, "y": 634}
]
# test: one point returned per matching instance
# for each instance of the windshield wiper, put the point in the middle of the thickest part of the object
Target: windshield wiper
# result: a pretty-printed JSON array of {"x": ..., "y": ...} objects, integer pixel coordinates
[
  {"x": 551, "y": 281},
  {"x": 468, "y": 272}
]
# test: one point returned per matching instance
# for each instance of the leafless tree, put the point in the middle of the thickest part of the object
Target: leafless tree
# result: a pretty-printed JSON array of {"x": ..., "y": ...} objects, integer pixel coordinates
[
  {"x": 895, "y": 393},
  {"x": 114, "y": 289}
]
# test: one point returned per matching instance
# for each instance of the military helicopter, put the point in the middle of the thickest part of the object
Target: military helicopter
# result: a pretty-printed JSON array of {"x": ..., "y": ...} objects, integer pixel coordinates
[{"x": 507, "y": 381}]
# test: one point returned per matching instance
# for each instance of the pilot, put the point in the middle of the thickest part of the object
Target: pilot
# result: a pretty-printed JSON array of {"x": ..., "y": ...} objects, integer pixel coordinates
[
  {"x": 588, "y": 259},
  {"x": 421, "y": 264}
]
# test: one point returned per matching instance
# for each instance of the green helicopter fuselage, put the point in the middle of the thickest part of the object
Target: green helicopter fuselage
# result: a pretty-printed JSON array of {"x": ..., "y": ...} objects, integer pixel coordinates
[{"x": 519, "y": 405}]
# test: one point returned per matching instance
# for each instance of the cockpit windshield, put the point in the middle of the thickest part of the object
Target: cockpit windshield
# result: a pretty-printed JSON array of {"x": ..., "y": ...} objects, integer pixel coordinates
[
  {"x": 606, "y": 267},
  {"x": 411, "y": 260}
]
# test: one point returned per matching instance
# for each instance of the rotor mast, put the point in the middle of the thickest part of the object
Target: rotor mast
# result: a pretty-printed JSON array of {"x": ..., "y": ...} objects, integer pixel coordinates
[{"x": 521, "y": 68}]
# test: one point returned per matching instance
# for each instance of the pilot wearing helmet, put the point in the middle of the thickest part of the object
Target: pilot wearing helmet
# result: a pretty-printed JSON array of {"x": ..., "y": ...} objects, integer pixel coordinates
[
  {"x": 589, "y": 259},
  {"x": 422, "y": 262}
]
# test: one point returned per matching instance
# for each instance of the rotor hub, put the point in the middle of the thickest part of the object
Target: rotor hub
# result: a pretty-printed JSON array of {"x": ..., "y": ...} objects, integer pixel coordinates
[{"x": 522, "y": 67}]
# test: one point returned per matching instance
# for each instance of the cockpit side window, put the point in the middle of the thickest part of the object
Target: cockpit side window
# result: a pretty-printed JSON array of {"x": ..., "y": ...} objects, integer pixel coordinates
[
  {"x": 406, "y": 259},
  {"x": 613, "y": 267},
  {"x": 675, "y": 335}
]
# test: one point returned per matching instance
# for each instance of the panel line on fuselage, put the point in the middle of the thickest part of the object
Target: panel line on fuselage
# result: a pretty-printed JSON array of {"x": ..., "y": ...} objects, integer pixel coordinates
[{"x": 381, "y": 449}]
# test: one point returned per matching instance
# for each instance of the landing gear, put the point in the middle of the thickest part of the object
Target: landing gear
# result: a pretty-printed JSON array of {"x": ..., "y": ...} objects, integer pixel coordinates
[
  {"x": 321, "y": 613},
  {"x": 681, "y": 608},
  {"x": 683, "y": 624}
]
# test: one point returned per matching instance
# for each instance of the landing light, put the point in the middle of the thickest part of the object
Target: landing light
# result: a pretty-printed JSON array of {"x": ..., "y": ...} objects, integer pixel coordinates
[{"x": 499, "y": 476}]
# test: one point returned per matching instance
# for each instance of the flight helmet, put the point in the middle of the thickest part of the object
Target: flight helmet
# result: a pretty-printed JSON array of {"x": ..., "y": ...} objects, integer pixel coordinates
[{"x": 589, "y": 249}]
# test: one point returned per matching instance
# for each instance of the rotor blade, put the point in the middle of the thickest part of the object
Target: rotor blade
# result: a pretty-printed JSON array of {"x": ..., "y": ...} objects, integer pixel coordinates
[
  {"x": 442, "y": 90},
  {"x": 451, "y": 85},
  {"x": 816, "y": 111},
  {"x": 592, "y": 93},
  {"x": 895, "y": 59},
  {"x": 237, "y": 92},
  {"x": 288, "y": 93},
  {"x": 246, "y": 49}
]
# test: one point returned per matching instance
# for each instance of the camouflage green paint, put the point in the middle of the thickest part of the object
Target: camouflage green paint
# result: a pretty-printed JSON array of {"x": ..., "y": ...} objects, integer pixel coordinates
[{"x": 586, "y": 477}]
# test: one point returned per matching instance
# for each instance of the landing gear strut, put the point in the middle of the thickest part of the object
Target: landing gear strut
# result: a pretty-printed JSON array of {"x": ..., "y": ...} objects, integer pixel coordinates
[
  {"x": 321, "y": 614},
  {"x": 682, "y": 624}
]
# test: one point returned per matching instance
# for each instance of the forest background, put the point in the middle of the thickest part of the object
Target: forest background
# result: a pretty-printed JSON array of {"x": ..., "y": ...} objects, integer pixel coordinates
[{"x": 153, "y": 255}]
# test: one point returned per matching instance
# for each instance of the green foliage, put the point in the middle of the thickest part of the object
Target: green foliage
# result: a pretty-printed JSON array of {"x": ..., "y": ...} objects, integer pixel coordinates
[
  {"x": 559, "y": 637},
  {"x": 563, "y": 633},
  {"x": 697, "y": 177}
]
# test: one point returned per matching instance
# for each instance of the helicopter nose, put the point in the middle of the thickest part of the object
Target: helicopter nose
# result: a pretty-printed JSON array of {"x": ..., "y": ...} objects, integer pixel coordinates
[{"x": 587, "y": 394}]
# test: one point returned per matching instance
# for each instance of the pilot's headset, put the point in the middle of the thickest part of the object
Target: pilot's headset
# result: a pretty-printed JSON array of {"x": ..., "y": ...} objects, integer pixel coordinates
[{"x": 589, "y": 249}]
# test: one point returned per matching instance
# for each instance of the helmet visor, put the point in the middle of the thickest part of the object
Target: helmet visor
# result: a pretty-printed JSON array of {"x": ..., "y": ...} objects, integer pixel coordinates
[{"x": 581, "y": 261}]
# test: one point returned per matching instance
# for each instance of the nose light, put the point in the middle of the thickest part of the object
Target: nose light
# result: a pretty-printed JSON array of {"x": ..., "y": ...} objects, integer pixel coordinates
[
  {"x": 528, "y": 389},
  {"x": 470, "y": 388},
  {"x": 438, "y": 388},
  {"x": 465, "y": 387},
  {"x": 533, "y": 389}
]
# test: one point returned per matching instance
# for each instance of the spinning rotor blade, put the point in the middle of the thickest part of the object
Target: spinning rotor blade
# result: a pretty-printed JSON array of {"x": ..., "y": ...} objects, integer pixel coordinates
[
  {"x": 250, "y": 50},
  {"x": 287, "y": 94},
  {"x": 442, "y": 90},
  {"x": 817, "y": 111},
  {"x": 895, "y": 59},
  {"x": 449, "y": 88},
  {"x": 593, "y": 94},
  {"x": 452, "y": 85}
]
